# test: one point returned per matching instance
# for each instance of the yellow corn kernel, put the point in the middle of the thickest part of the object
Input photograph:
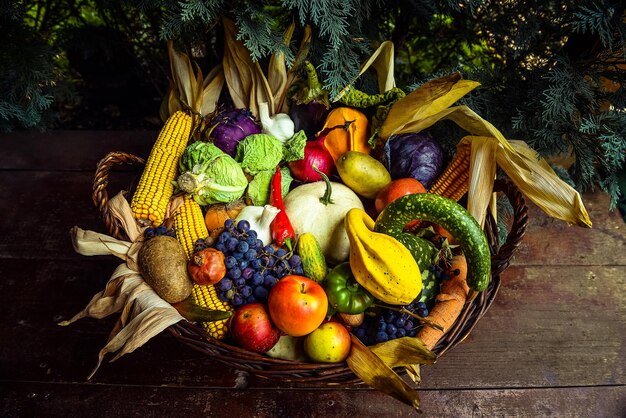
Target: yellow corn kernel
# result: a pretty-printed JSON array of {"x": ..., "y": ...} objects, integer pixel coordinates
[
  {"x": 207, "y": 296},
  {"x": 454, "y": 181},
  {"x": 189, "y": 226},
  {"x": 155, "y": 187}
]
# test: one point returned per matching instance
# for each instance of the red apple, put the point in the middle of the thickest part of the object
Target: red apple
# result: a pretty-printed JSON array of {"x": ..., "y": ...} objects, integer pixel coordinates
[
  {"x": 297, "y": 305},
  {"x": 252, "y": 328}
]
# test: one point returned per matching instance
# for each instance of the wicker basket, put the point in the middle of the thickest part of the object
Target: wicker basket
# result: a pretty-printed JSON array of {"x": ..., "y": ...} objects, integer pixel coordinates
[{"x": 315, "y": 374}]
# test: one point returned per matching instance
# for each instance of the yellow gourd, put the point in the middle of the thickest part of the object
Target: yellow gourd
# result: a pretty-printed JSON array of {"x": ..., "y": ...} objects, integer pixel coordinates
[{"x": 380, "y": 263}]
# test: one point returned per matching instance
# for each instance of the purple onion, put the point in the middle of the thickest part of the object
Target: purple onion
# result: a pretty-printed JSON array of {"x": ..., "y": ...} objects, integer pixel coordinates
[{"x": 230, "y": 127}]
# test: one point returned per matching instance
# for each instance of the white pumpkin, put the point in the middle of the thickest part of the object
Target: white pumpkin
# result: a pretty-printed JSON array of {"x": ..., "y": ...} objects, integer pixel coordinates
[{"x": 320, "y": 208}]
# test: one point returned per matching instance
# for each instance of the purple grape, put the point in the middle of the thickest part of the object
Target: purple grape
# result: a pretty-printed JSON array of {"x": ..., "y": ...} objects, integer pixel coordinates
[
  {"x": 243, "y": 226},
  {"x": 246, "y": 291},
  {"x": 257, "y": 279},
  {"x": 234, "y": 273},
  {"x": 295, "y": 261},
  {"x": 247, "y": 273},
  {"x": 231, "y": 244},
  {"x": 237, "y": 300},
  {"x": 381, "y": 337},
  {"x": 261, "y": 293},
  {"x": 230, "y": 262},
  {"x": 243, "y": 246},
  {"x": 225, "y": 284},
  {"x": 269, "y": 281},
  {"x": 250, "y": 255}
]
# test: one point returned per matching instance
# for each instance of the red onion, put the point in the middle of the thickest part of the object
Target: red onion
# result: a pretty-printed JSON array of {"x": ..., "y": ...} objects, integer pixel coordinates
[{"x": 315, "y": 154}]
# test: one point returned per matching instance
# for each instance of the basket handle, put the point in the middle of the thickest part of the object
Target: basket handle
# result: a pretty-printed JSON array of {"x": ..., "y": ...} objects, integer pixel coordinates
[
  {"x": 100, "y": 195},
  {"x": 502, "y": 255}
]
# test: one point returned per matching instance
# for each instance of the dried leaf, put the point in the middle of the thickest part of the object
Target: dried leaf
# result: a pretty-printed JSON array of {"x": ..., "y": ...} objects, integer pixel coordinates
[
  {"x": 277, "y": 73},
  {"x": 374, "y": 372},
  {"x": 403, "y": 352},
  {"x": 144, "y": 313},
  {"x": 182, "y": 74},
  {"x": 413, "y": 371},
  {"x": 196, "y": 313},
  {"x": 382, "y": 60},
  {"x": 431, "y": 98},
  {"x": 213, "y": 85},
  {"x": 246, "y": 82},
  {"x": 539, "y": 183}
]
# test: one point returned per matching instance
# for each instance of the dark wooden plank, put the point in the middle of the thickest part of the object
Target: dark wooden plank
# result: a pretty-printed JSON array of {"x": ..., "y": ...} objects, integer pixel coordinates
[
  {"x": 34, "y": 399},
  {"x": 548, "y": 326},
  {"x": 554, "y": 242},
  {"x": 69, "y": 150},
  {"x": 38, "y": 209},
  {"x": 543, "y": 329}
]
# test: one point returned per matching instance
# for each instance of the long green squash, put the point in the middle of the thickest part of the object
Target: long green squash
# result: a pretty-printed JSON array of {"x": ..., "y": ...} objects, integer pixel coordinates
[{"x": 451, "y": 216}]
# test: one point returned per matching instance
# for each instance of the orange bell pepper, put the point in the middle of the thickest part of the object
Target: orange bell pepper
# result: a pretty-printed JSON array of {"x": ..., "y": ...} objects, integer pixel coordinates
[{"x": 346, "y": 129}]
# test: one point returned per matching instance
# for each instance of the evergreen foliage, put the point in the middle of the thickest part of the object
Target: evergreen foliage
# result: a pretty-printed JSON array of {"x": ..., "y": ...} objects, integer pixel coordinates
[
  {"x": 551, "y": 72},
  {"x": 26, "y": 72}
]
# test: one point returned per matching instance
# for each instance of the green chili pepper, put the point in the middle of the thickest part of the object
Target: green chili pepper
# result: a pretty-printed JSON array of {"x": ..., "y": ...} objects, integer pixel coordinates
[{"x": 344, "y": 293}]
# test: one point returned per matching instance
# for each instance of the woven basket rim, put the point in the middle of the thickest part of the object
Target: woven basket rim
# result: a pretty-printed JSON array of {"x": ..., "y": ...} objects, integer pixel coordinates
[{"x": 317, "y": 374}]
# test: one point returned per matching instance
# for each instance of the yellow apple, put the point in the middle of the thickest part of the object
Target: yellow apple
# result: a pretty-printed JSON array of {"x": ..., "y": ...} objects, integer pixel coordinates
[{"x": 329, "y": 343}]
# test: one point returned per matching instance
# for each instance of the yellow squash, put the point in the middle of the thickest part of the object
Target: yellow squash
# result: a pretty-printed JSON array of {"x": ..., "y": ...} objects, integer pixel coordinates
[{"x": 380, "y": 263}]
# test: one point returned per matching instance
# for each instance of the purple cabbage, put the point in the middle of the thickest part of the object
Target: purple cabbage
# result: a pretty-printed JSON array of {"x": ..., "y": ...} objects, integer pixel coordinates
[
  {"x": 413, "y": 155},
  {"x": 230, "y": 127}
]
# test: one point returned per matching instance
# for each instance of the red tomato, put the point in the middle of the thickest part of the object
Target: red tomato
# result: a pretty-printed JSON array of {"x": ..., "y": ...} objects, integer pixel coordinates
[
  {"x": 297, "y": 305},
  {"x": 395, "y": 189}
]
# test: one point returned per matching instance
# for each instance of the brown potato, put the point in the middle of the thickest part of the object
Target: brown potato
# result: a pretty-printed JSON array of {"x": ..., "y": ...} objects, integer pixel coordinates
[{"x": 163, "y": 265}]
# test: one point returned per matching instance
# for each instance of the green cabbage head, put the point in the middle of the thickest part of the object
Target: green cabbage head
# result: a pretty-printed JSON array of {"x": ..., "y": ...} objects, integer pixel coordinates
[{"x": 210, "y": 175}]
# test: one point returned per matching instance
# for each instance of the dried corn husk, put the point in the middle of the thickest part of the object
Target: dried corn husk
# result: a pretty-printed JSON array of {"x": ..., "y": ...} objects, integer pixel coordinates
[
  {"x": 247, "y": 83},
  {"x": 143, "y": 314},
  {"x": 374, "y": 372},
  {"x": 404, "y": 351},
  {"x": 528, "y": 171},
  {"x": 536, "y": 180},
  {"x": 189, "y": 89},
  {"x": 382, "y": 61}
]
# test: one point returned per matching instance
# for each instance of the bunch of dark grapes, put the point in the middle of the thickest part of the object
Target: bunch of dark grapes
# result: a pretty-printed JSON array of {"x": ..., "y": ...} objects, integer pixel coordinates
[
  {"x": 390, "y": 324},
  {"x": 252, "y": 269},
  {"x": 159, "y": 230}
]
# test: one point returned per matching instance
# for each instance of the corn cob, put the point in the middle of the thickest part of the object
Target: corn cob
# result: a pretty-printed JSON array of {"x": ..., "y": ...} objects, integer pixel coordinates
[
  {"x": 155, "y": 187},
  {"x": 454, "y": 181},
  {"x": 189, "y": 226}
]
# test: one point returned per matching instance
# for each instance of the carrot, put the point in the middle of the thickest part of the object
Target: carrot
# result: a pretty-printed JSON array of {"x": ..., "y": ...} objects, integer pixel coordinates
[{"x": 449, "y": 302}]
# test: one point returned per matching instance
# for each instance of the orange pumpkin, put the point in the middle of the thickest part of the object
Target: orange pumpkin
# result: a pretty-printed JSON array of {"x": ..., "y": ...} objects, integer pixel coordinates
[{"x": 218, "y": 213}]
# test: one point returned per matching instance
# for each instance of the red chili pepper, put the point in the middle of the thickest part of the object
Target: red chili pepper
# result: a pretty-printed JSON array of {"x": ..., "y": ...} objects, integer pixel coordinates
[{"x": 280, "y": 228}]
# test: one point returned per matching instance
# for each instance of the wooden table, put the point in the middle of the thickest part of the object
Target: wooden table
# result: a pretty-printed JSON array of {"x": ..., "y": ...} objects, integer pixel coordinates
[{"x": 552, "y": 344}]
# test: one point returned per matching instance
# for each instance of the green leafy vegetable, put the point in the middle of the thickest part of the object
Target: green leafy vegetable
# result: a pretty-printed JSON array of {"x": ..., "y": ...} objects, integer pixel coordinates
[
  {"x": 294, "y": 147},
  {"x": 260, "y": 186},
  {"x": 210, "y": 175},
  {"x": 259, "y": 152}
]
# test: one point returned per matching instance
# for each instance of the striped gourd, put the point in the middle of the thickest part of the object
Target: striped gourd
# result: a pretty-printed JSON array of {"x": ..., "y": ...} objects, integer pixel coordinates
[
  {"x": 189, "y": 226},
  {"x": 155, "y": 187},
  {"x": 454, "y": 181}
]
